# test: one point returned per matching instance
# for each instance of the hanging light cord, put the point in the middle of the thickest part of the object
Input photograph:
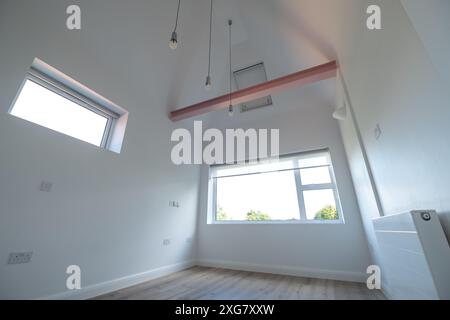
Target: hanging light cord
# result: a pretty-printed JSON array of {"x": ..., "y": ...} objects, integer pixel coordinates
[
  {"x": 230, "y": 22},
  {"x": 210, "y": 38},
  {"x": 178, "y": 12}
]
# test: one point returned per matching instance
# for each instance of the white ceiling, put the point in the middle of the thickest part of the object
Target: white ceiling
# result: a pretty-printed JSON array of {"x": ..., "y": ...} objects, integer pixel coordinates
[
  {"x": 287, "y": 35},
  {"x": 127, "y": 41}
]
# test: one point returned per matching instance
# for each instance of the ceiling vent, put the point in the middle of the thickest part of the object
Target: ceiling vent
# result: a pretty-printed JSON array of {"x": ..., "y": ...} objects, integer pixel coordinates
[{"x": 248, "y": 77}]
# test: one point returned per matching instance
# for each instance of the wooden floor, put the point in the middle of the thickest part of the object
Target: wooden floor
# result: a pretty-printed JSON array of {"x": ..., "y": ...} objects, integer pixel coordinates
[{"x": 200, "y": 283}]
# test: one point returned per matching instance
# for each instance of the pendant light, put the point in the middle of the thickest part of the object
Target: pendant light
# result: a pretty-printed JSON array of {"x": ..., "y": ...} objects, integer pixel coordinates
[
  {"x": 173, "y": 43},
  {"x": 208, "y": 83},
  {"x": 230, "y": 107}
]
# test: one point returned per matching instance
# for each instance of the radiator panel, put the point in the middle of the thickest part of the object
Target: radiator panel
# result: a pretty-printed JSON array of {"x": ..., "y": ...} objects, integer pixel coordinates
[{"x": 415, "y": 256}]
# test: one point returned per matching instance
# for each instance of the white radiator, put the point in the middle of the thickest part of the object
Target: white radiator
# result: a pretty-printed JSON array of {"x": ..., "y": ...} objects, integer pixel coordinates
[{"x": 415, "y": 256}]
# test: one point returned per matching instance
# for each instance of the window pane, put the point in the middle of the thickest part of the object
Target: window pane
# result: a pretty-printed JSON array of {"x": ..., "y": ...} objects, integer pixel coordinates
[
  {"x": 262, "y": 167},
  {"x": 320, "y": 205},
  {"x": 313, "y": 161},
  {"x": 318, "y": 175},
  {"x": 268, "y": 196},
  {"x": 272, "y": 164},
  {"x": 46, "y": 108}
]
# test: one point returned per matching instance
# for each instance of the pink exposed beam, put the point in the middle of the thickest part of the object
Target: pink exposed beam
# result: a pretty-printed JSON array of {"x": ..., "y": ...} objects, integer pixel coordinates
[{"x": 301, "y": 78}]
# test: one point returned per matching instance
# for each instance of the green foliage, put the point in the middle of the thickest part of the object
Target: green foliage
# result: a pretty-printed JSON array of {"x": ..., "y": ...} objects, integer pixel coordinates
[
  {"x": 327, "y": 213},
  {"x": 221, "y": 215},
  {"x": 257, "y": 216}
]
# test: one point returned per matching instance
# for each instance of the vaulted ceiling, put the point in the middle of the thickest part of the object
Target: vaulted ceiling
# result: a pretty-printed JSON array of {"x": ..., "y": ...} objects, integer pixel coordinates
[
  {"x": 287, "y": 35},
  {"x": 124, "y": 45}
]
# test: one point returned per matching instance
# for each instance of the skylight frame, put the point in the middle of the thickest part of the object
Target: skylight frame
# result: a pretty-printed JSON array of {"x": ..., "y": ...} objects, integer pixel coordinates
[
  {"x": 263, "y": 102},
  {"x": 72, "y": 95}
]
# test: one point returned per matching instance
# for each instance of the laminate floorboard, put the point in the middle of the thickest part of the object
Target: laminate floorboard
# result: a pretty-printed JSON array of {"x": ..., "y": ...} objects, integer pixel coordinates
[{"x": 202, "y": 283}]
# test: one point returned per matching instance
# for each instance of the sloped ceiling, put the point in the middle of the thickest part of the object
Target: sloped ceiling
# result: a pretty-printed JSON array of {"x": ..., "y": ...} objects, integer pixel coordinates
[
  {"x": 287, "y": 35},
  {"x": 127, "y": 44}
]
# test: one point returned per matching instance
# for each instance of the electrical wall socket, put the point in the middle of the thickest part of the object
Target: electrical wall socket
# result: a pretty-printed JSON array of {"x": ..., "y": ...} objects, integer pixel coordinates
[
  {"x": 19, "y": 257},
  {"x": 46, "y": 186},
  {"x": 166, "y": 242}
]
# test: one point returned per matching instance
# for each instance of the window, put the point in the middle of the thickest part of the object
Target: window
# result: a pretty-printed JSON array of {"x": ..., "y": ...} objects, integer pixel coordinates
[
  {"x": 62, "y": 107},
  {"x": 299, "y": 188}
]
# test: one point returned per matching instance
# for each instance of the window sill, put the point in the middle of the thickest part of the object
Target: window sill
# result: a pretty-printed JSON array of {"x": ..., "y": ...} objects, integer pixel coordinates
[{"x": 307, "y": 222}]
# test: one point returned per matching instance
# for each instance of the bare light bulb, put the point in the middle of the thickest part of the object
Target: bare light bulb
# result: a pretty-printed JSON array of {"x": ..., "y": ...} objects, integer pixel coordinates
[
  {"x": 173, "y": 43},
  {"x": 208, "y": 83},
  {"x": 230, "y": 110}
]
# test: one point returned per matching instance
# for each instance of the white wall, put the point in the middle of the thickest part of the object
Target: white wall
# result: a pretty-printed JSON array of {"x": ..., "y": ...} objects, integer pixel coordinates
[
  {"x": 396, "y": 78},
  {"x": 431, "y": 20},
  {"x": 319, "y": 250},
  {"x": 304, "y": 119},
  {"x": 107, "y": 212},
  {"x": 393, "y": 82}
]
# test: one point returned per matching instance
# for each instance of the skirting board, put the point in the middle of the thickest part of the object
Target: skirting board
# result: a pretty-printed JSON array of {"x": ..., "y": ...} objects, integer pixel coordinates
[
  {"x": 128, "y": 281},
  {"x": 386, "y": 291},
  {"x": 120, "y": 283},
  {"x": 291, "y": 271}
]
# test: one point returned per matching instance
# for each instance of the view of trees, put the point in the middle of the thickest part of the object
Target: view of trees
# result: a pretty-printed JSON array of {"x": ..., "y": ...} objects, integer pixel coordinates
[
  {"x": 257, "y": 216},
  {"x": 251, "y": 215},
  {"x": 327, "y": 213},
  {"x": 221, "y": 215}
]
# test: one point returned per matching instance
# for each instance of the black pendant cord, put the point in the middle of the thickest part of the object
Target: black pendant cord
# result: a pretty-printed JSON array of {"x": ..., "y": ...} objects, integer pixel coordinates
[
  {"x": 178, "y": 12},
  {"x": 230, "y": 22},
  {"x": 210, "y": 38}
]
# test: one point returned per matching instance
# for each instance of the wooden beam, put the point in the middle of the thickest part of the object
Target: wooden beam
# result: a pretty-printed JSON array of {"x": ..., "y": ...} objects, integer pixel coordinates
[{"x": 315, "y": 74}]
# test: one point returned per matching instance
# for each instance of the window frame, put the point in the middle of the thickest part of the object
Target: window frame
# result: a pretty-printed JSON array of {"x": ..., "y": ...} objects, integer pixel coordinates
[
  {"x": 68, "y": 93},
  {"x": 300, "y": 188}
]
